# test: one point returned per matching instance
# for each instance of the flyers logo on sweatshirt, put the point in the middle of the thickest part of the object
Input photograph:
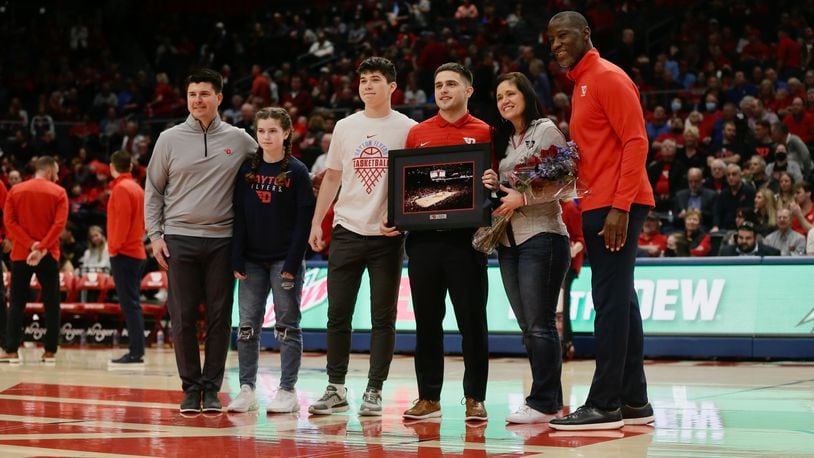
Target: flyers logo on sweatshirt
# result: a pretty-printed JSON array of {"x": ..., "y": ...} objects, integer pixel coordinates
[
  {"x": 469, "y": 140},
  {"x": 370, "y": 163},
  {"x": 583, "y": 90}
]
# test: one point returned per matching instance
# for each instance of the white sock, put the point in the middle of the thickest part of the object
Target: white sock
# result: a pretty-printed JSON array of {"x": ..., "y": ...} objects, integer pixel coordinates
[{"x": 340, "y": 388}]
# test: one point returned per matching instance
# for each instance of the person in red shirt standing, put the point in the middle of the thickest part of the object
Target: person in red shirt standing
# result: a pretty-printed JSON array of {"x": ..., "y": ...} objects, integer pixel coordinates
[
  {"x": 125, "y": 242},
  {"x": 35, "y": 214},
  {"x": 608, "y": 126},
  {"x": 3, "y": 193},
  {"x": 572, "y": 217},
  {"x": 799, "y": 121},
  {"x": 444, "y": 261}
]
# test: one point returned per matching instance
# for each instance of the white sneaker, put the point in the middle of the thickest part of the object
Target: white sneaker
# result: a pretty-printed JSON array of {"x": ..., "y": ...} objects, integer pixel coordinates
[
  {"x": 284, "y": 402},
  {"x": 244, "y": 402},
  {"x": 526, "y": 414}
]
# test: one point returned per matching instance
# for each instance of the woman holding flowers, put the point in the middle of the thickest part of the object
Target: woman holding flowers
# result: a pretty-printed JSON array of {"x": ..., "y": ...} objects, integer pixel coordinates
[{"x": 534, "y": 251}]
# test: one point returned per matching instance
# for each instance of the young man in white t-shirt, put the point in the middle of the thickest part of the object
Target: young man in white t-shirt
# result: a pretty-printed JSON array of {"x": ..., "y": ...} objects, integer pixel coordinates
[{"x": 357, "y": 162}]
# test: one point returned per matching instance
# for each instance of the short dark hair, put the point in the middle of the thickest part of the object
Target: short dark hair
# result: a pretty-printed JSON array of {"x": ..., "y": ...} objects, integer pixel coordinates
[
  {"x": 747, "y": 226},
  {"x": 121, "y": 161},
  {"x": 780, "y": 128},
  {"x": 457, "y": 68},
  {"x": 44, "y": 163},
  {"x": 572, "y": 18},
  {"x": 378, "y": 64},
  {"x": 764, "y": 124},
  {"x": 206, "y": 75},
  {"x": 804, "y": 185}
]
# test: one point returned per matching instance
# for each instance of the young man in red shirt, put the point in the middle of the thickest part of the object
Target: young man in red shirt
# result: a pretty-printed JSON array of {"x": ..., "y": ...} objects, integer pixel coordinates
[
  {"x": 444, "y": 261},
  {"x": 35, "y": 214},
  {"x": 125, "y": 242},
  {"x": 608, "y": 126},
  {"x": 802, "y": 209}
]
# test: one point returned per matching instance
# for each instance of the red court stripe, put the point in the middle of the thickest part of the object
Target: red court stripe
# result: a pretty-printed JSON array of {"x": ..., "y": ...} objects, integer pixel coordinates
[
  {"x": 242, "y": 446},
  {"x": 96, "y": 392},
  {"x": 22, "y": 427},
  {"x": 119, "y": 414}
]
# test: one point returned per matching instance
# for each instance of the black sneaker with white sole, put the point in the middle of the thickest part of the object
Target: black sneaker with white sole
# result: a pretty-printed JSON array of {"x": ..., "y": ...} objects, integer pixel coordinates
[
  {"x": 211, "y": 403},
  {"x": 192, "y": 401},
  {"x": 638, "y": 415},
  {"x": 589, "y": 418}
]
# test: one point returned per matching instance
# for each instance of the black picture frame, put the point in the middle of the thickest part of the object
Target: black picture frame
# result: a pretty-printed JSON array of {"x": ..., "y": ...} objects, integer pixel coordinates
[{"x": 438, "y": 187}]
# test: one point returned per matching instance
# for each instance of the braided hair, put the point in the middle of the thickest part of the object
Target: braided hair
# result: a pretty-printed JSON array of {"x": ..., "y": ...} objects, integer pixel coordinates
[{"x": 281, "y": 115}]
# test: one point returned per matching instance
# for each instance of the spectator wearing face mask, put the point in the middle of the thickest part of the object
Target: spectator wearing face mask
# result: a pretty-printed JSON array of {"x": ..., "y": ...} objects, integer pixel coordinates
[{"x": 782, "y": 164}]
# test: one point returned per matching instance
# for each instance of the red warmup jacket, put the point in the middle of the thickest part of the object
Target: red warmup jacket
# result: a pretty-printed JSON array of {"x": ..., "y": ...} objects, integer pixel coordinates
[
  {"x": 125, "y": 218},
  {"x": 35, "y": 210},
  {"x": 3, "y": 193},
  {"x": 608, "y": 126}
]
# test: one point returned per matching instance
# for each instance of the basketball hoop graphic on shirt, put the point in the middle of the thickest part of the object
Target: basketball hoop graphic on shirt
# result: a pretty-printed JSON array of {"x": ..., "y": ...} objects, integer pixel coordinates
[{"x": 370, "y": 163}]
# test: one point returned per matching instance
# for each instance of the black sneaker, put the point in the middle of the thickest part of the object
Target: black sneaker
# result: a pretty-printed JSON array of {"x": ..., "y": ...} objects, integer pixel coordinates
[
  {"x": 211, "y": 403},
  {"x": 127, "y": 361},
  {"x": 589, "y": 418},
  {"x": 638, "y": 415},
  {"x": 192, "y": 401}
]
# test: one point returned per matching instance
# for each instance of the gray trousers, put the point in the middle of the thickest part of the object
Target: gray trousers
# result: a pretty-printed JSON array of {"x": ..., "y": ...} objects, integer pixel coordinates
[
  {"x": 200, "y": 273},
  {"x": 349, "y": 255}
]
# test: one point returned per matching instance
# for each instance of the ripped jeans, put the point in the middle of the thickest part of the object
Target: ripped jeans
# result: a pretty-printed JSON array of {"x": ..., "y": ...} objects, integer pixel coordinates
[{"x": 252, "y": 296}]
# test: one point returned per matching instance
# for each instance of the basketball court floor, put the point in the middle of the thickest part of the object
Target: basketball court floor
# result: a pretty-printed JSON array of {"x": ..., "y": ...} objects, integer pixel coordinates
[{"x": 77, "y": 407}]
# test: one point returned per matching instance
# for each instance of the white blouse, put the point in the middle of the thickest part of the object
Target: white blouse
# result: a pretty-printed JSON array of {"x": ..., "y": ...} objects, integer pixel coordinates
[{"x": 538, "y": 216}]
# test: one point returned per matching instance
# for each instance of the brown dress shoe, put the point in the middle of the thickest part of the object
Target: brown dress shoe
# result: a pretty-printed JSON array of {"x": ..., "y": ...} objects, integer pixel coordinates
[
  {"x": 423, "y": 409},
  {"x": 49, "y": 357},
  {"x": 475, "y": 411}
]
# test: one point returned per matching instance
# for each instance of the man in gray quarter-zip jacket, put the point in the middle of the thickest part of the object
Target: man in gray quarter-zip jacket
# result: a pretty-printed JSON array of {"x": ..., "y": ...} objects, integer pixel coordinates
[{"x": 188, "y": 213}]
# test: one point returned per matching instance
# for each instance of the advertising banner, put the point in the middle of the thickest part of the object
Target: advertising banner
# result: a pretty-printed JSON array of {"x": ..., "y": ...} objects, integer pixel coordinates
[{"x": 757, "y": 299}]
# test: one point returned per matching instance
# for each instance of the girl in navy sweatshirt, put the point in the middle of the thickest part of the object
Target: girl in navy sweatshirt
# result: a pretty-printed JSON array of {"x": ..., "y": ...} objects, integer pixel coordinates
[{"x": 274, "y": 204}]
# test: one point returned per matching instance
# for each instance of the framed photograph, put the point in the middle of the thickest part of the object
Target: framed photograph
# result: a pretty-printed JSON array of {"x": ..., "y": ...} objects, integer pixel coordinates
[{"x": 438, "y": 187}]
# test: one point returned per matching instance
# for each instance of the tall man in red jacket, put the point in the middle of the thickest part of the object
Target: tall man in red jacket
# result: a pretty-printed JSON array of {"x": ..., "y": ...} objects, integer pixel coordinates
[
  {"x": 35, "y": 213},
  {"x": 125, "y": 242},
  {"x": 608, "y": 126}
]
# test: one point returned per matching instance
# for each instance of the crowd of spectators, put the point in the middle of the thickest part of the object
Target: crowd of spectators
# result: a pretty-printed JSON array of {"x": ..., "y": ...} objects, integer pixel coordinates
[{"x": 727, "y": 87}]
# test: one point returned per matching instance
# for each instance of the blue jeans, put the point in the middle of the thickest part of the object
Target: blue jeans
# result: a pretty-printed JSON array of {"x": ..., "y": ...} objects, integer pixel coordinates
[
  {"x": 252, "y": 294},
  {"x": 532, "y": 274}
]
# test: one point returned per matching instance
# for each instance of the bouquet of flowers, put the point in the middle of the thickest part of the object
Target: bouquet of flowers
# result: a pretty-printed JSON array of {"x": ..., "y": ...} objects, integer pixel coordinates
[{"x": 551, "y": 174}]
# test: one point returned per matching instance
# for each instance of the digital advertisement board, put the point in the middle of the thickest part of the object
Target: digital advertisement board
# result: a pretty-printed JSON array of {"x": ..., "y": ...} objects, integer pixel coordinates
[{"x": 706, "y": 300}]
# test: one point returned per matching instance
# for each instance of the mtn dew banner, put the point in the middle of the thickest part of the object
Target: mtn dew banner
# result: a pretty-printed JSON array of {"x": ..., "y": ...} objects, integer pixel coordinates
[{"x": 757, "y": 299}]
